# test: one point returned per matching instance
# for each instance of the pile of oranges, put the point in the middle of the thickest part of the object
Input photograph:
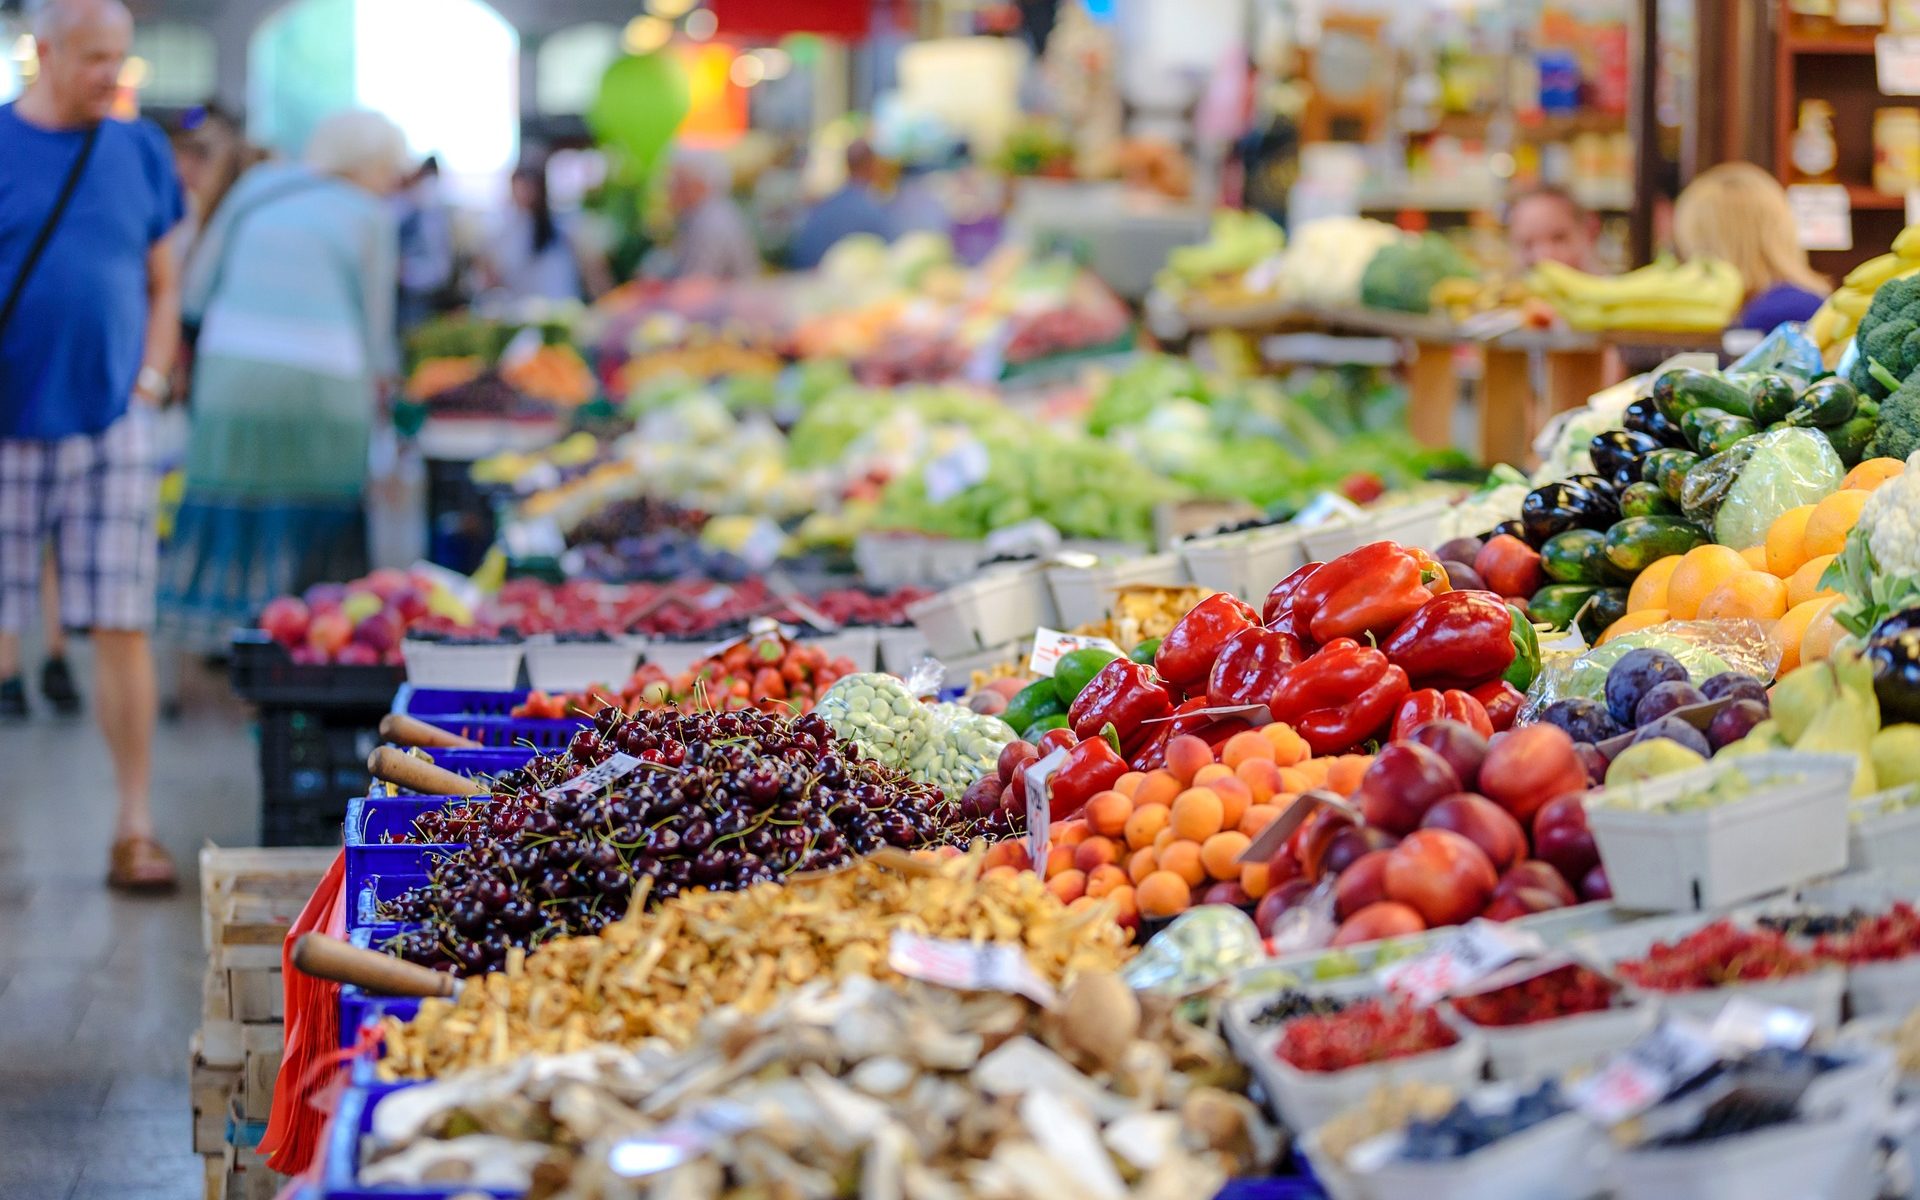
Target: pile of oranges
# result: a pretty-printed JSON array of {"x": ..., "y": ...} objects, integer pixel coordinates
[
  {"x": 1776, "y": 583},
  {"x": 1164, "y": 840}
]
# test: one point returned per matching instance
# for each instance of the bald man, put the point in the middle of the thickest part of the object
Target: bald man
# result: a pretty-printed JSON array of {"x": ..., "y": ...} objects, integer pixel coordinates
[{"x": 89, "y": 321}]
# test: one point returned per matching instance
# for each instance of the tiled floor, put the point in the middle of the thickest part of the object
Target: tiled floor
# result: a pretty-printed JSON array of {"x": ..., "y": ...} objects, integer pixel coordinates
[{"x": 99, "y": 993}]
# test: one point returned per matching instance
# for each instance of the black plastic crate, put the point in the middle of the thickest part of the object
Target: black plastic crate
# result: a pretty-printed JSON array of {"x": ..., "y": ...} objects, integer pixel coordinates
[
  {"x": 312, "y": 761},
  {"x": 262, "y": 671}
]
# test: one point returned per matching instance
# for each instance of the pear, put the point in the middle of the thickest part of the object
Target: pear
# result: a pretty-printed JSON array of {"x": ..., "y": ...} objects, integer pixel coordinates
[
  {"x": 1801, "y": 696},
  {"x": 1650, "y": 760},
  {"x": 1896, "y": 755},
  {"x": 1846, "y": 726}
]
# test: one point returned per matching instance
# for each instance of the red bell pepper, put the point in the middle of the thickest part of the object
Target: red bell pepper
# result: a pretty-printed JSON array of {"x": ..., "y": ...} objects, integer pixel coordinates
[
  {"x": 1126, "y": 695},
  {"x": 1502, "y": 701},
  {"x": 1433, "y": 571},
  {"x": 1280, "y": 599},
  {"x": 1457, "y": 640},
  {"x": 1369, "y": 590},
  {"x": 1092, "y": 767},
  {"x": 1186, "y": 654},
  {"x": 1251, "y": 665},
  {"x": 1341, "y": 697},
  {"x": 1428, "y": 704}
]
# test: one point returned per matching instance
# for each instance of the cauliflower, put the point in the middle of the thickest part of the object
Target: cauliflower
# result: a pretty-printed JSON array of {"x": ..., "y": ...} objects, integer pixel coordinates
[
  {"x": 1891, "y": 518},
  {"x": 1879, "y": 568}
]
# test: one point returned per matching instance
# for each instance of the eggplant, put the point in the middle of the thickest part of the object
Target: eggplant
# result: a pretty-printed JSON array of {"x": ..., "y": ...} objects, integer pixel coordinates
[
  {"x": 1618, "y": 447},
  {"x": 1563, "y": 505},
  {"x": 1643, "y": 416},
  {"x": 1893, "y": 649},
  {"x": 1625, "y": 476},
  {"x": 1510, "y": 528},
  {"x": 1608, "y": 494}
]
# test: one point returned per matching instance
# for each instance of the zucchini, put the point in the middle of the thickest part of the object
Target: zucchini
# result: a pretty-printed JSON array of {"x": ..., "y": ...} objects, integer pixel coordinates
[
  {"x": 1575, "y": 556},
  {"x": 1636, "y": 543},
  {"x": 1825, "y": 404},
  {"x": 1683, "y": 389},
  {"x": 1850, "y": 440},
  {"x": 1711, "y": 430},
  {"x": 1556, "y": 603},
  {"x": 1602, "y": 609},
  {"x": 1773, "y": 397},
  {"x": 1646, "y": 500},
  {"x": 1666, "y": 469}
]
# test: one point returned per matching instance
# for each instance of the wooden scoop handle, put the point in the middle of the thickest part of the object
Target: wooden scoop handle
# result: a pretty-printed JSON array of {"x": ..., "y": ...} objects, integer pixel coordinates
[
  {"x": 412, "y": 731},
  {"x": 390, "y": 764},
  {"x": 325, "y": 957}
]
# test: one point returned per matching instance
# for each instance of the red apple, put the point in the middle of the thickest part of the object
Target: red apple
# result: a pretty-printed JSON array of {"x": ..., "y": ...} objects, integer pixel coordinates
[
  {"x": 1481, "y": 822},
  {"x": 329, "y": 631},
  {"x": 1536, "y": 875},
  {"x": 1441, "y": 875},
  {"x": 1349, "y": 844},
  {"x": 1521, "y": 902},
  {"x": 380, "y": 633},
  {"x": 410, "y": 602},
  {"x": 1226, "y": 892},
  {"x": 357, "y": 654},
  {"x": 284, "y": 619},
  {"x": 1595, "y": 886},
  {"x": 1561, "y": 837},
  {"x": 1460, "y": 744},
  {"x": 1363, "y": 883},
  {"x": 1377, "y": 921},
  {"x": 1277, "y": 902},
  {"x": 386, "y": 582},
  {"x": 1528, "y": 766},
  {"x": 1403, "y": 782}
]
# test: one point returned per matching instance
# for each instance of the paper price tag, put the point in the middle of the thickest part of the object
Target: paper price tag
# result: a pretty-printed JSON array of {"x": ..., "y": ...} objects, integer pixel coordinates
[
  {"x": 1474, "y": 951},
  {"x": 614, "y": 769},
  {"x": 957, "y": 470},
  {"x": 534, "y": 539},
  {"x": 1040, "y": 807},
  {"x": 1823, "y": 215},
  {"x": 1268, "y": 841},
  {"x": 968, "y": 966},
  {"x": 1646, "y": 1072},
  {"x": 1050, "y": 644},
  {"x": 523, "y": 346}
]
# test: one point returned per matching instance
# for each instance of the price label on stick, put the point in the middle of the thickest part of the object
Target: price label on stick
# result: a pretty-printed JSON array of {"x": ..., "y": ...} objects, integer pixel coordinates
[
  {"x": 594, "y": 778},
  {"x": 1050, "y": 645},
  {"x": 1646, "y": 1072},
  {"x": 1040, "y": 807},
  {"x": 1268, "y": 841},
  {"x": 1474, "y": 951},
  {"x": 968, "y": 966},
  {"x": 1896, "y": 61},
  {"x": 957, "y": 470}
]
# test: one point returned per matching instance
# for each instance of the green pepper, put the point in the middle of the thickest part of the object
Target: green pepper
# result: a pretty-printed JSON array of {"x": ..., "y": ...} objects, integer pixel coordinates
[
  {"x": 1526, "y": 650},
  {"x": 1144, "y": 652}
]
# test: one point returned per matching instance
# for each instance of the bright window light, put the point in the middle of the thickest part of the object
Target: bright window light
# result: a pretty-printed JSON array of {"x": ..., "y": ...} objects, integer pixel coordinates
[{"x": 446, "y": 71}]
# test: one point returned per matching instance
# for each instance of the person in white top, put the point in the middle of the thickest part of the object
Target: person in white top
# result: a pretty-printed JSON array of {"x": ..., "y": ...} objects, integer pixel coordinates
[{"x": 535, "y": 254}]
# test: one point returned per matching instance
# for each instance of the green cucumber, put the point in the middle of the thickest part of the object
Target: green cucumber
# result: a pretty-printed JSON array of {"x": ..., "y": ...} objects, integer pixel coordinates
[
  {"x": 1850, "y": 440},
  {"x": 1556, "y": 603},
  {"x": 1667, "y": 469},
  {"x": 1032, "y": 703},
  {"x": 1646, "y": 500},
  {"x": 1773, "y": 397},
  {"x": 1636, "y": 543},
  {"x": 1575, "y": 556},
  {"x": 1711, "y": 430},
  {"x": 1825, "y": 404},
  {"x": 1680, "y": 391},
  {"x": 1602, "y": 609}
]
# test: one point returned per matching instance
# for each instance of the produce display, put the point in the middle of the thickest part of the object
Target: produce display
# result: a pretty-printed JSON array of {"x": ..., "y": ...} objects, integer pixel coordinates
[
  {"x": 1372, "y": 1031},
  {"x": 1840, "y": 317},
  {"x": 1699, "y": 295},
  {"x": 768, "y": 673},
  {"x": 1562, "y": 992},
  {"x": 1719, "y": 955},
  {"x": 359, "y": 623}
]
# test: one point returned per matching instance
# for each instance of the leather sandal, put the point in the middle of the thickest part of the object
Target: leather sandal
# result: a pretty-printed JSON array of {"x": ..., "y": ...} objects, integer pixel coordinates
[{"x": 140, "y": 864}]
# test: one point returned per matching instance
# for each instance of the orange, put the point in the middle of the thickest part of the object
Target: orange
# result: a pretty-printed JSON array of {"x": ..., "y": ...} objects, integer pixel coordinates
[
  {"x": 1159, "y": 787},
  {"x": 1257, "y": 817},
  {"x": 1068, "y": 885},
  {"x": 1288, "y": 747},
  {"x": 1786, "y": 540},
  {"x": 1633, "y": 622},
  {"x": 1107, "y": 813},
  {"x": 1822, "y": 632},
  {"x": 1183, "y": 859},
  {"x": 1210, "y": 774},
  {"x": 1220, "y": 854},
  {"x": 1804, "y": 584},
  {"x": 1197, "y": 814},
  {"x": 1832, "y": 519},
  {"x": 1255, "y": 879},
  {"x": 1102, "y": 880},
  {"x": 1261, "y": 776},
  {"x": 1872, "y": 473},
  {"x": 1755, "y": 595},
  {"x": 1186, "y": 754},
  {"x": 1144, "y": 823},
  {"x": 1143, "y": 863},
  {"x": 1649, "y": 589},
  {"x": 1097, "y": 852},
  {"x": 1701, "y": 570},
  {"x": 1244, "y": 746},
  {"x": 1162, "y": 894},
  {"x": 1756, "y": 557},
  {"x": 1791, "y": 630}
]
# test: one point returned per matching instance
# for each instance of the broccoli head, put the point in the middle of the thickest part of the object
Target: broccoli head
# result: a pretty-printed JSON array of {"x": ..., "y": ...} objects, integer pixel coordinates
[
  {"x": 1898, "y": 434},
  {"x": 1885, "y": 336}
]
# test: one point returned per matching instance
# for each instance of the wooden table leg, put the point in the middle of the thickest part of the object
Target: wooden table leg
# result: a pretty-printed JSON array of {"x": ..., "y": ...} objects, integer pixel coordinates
[
  {"x": 1572, "y": 377},
  {"x": 1432, "y": 393},
  {"x": 1506, "y": 397}
]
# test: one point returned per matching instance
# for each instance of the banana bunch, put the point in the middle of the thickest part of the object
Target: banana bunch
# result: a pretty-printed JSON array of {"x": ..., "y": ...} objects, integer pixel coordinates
[
  {"x": 1700, "y": 296},
  {"x": 1840, "y": 315}
]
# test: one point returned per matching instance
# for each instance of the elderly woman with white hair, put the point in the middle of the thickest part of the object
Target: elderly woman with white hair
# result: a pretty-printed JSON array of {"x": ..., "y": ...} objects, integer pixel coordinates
[
  {"x": 711, "y": 237},
  {"x": 292, "y": 288}
]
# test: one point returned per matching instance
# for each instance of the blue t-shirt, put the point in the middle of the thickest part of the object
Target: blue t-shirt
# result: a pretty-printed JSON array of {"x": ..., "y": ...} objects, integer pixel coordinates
[
  {"x": 71, "y": 354},
  {"x": 1776, "y": 306}
]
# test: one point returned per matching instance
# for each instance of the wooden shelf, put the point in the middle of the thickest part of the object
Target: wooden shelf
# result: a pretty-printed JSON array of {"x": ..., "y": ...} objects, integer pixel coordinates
[
  {"x": 1829, "y": 45},
  {"x": 1865, "y": 198}
]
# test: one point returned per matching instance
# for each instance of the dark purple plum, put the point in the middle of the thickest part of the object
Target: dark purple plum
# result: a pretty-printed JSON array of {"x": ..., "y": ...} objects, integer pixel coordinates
[
  {"x": 1734, "y": 722},
  {"x": 1734, "y": 685},
  {"x": 1638, "y": 672},
  {"x": 1582, "y": 719},
  {"x": 1675, "y": 729},
  {"x": 1460, "y": 549},
  {"x": 1663, "y": 698},
  {"x": 1461, "y": 577}
]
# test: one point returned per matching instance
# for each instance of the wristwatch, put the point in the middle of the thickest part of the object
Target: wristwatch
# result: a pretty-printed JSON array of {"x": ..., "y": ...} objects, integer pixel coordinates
[{"x": 152, "y": 383}]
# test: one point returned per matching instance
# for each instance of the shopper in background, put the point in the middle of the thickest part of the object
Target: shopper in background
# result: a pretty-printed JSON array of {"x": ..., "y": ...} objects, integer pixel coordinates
[
  {"x": 534, "y": 254},
  {"x": 1546, "y": 224},
  {"x": 1738, "y": 213},
  {"x": 853, "y": 209},
  {"x": 89, "y": 320},
  {"x": 426, "y": 246},
  {"x": 711, "y": 238},
  {"x": 294, "y": 294},
  {"x": 210, "y": 153},
  {"x": 917, "y": 206}
]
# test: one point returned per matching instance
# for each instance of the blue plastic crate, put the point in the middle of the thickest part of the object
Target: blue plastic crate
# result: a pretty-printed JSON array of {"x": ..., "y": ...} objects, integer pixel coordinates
[
  {"x": 363, "y": 902},
  {"x": 427, "y": 703},
  {"x": 356, "y": 1006},
  {"x": 483, "y": 716},
  {"x": 492, "y": 761},
  {"x": 340, "y": 1170},
  {"x": 371, "y": 820}
]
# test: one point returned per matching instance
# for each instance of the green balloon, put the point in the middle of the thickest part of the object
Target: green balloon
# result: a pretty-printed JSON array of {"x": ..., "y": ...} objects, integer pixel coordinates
[{"x": 643, "y": 98}]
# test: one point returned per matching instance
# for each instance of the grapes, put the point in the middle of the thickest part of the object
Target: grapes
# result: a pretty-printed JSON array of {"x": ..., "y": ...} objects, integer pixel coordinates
[{"x": 1637, "y": 672}]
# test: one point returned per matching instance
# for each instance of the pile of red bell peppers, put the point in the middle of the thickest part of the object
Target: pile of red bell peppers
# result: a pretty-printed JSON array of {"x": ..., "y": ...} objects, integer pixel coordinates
[{"x": 1346, "y": 652}]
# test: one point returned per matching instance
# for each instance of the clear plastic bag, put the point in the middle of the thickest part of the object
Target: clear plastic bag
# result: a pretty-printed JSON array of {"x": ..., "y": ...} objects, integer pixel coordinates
[
  {"x": 1787, "y": 468},
  {"x": 1704, "y": 648},
  {"x": 1787, "y": 350},
  {"x": 963, "y": 747},
  {"x": 1204, "y": 946},
  {"x": 880, "y": 713}
]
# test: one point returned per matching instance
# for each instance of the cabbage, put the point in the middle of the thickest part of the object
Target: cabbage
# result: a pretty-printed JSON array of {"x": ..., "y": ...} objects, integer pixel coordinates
[{"x": 1789, "y": 467}]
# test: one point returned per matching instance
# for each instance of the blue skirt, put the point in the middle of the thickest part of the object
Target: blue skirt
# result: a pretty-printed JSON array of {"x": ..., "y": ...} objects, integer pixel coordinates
[{"x": 227, "y": 558}]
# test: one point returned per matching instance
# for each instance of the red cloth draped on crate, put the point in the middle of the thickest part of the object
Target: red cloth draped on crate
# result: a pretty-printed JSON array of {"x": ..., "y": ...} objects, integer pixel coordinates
[{"x": 295, "y": 1126}]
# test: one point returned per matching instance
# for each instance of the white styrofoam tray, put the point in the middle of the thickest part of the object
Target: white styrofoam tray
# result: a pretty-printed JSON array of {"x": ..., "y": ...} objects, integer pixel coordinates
[
  {"x": 674, "y": 656},
  {"x": 1558, "y": 1159},
  {"x": 1528, "y": 1052},
  {"x": 1786, "y": 831},
  {"x": 1246, "y": 564},
  {"x": 1876, "y": 838},
  {"x": 902, "y": 648},
  {"x": 1826, "y": 1158},
  {"x": 1003, "y": 604},
  {"x": 554, "y": 666},
  {"x": 483, "y": 668},
  {"x": 1305, "y": 1100},
  {"x": 1082, "y": 595}
]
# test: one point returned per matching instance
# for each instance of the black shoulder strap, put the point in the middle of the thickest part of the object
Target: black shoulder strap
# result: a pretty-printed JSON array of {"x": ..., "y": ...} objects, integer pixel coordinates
[{"x": 45, "y": 235}]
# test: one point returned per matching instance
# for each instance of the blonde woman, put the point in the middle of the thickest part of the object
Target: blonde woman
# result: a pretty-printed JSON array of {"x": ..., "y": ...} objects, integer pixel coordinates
[{"x": 1738, "y": 213}]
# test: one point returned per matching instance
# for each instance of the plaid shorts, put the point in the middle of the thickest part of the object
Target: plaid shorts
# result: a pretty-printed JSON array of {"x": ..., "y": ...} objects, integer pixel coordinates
[{"x": 93, "y": 497}]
